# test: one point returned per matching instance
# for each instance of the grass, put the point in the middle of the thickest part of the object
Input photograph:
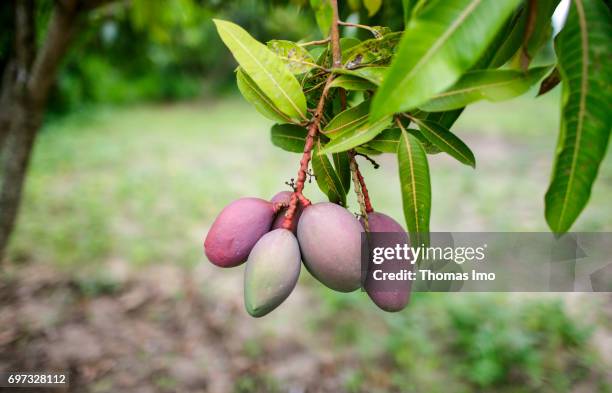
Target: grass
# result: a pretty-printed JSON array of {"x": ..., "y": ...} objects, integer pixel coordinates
[{"x": 143, "y": 184}]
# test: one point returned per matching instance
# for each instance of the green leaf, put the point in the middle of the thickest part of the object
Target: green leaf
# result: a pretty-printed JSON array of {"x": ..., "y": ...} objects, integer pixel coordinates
[
  {"x": 354, "y": 137},
  {"x": 343, "y": 168},
  {"x": 347, "y": 43},
  {"x": 439, "y": 45},
  {"x": 328, "y": 180},
  {"x": 347, "y": 120},
  {"x": 507, "y": 42},
  {"x": 289, "y": 137},
  {"x": 446, "y": 141},
  {"x": 416, "y": 187},
  {"x": 265, "y": 69},
  {"x": 371, "y": 74},
  {"x": 354, "y": 5},
  {"x": 367, "y": 151},
  {"x": 323, "y": 14},
  {"x": 445, "y": 119},
  {"x": 491, "y": 85},
  {"x": 297, "y": 58},
  {"x": 377, "y": 50},
  {"x": 352, "y": 83},
  {"x": 583, "y": 53},
  {"x": 429, "y": 147},
  {"x": 372, "y": 6},
  {"x": 387, "y": 141},
  {"x": 258, "y": 99},
  {"x": 408, "y": 6},
  {"x": 515, "y": 38},
  {"x": 542, "y": 28}
]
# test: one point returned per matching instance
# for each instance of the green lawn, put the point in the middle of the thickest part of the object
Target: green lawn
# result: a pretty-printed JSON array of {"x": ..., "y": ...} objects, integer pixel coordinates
[{"x": 144, "y": 183}]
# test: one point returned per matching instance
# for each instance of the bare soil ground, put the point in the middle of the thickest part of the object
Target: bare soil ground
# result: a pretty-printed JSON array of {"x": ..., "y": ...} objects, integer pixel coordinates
[{"x": 157, "y": 331}]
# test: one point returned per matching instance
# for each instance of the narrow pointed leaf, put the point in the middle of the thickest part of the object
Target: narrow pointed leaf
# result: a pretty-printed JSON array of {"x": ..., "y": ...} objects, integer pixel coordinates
[
  {"x": 429, "y": 147},
  {"x": 416, "y": 187},
  {"x": 407, "y": 7},
  {"x": 266, "y": 69},
  {"x": 353, "y": 83},
  {"x": 445, "y": 119},
  {"x": 372, "y": 74},
  {"x": 289, "y": 137},
  {"x": 297, "y": 58},
  {"x": 446, "y": 141},
  {"x": 323, "y": 14},
  {"x": 357, "y": 136},
  {"x": 491, "y": 85},
  {"x": 540, "y": 31},
  {"x": 327, "y": 179},
  {"x": 347, "y": 120},
  {"x": 500, "y": 39},
  {"x": 377, "y": 50},
  {"x": 387, "y": 141},
  {"x": 515, "y": 38},
  {"x": 342, "y": 165},
  {"x": 364, "y": 149},
  {"x": 441, "y": 43},
  {"x": 583, "y": 53},
  {"x": 258, "y": 99},
  {"x": 372, "y": 6}
]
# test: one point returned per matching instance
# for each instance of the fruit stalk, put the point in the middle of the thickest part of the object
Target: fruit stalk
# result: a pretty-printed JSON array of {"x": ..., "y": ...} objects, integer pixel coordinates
[{"x": 313, "y": 128}]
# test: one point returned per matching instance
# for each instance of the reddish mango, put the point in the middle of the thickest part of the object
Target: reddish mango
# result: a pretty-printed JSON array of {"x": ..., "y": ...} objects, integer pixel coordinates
[
  {"x": 389, "y": 296},
  {"x": 285, "y": 197},
  {"x": 236, "y": 230},
  {"x": 272, "y": 271},
  {"x": 330, "y": 241}
]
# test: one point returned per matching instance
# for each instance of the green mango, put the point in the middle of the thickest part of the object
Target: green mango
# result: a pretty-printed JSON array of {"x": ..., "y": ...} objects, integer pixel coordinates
[{"x": 272, "y": 270}]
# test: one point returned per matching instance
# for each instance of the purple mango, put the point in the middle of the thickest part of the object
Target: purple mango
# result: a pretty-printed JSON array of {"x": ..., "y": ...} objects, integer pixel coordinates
[
  {"x": 389, "y": 296},
  {"x": 272, "y": 271},
  {"x": 330, "y": 241},
  {"x": 285, "y": 197},
  {"x": 236, "y": 230}
]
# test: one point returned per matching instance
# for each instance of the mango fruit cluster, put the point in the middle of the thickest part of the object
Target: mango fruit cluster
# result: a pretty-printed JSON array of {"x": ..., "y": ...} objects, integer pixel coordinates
[{"x": 325, "y": 236}]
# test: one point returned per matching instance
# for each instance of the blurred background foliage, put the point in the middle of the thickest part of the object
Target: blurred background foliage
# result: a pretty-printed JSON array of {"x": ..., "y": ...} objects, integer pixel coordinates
[{"x": 163, "y": 50}]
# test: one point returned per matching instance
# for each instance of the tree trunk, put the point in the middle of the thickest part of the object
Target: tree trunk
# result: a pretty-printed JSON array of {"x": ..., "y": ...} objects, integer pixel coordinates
[
  {"x": 26, "y": 83},
  {"x": 18, "y": 144}
]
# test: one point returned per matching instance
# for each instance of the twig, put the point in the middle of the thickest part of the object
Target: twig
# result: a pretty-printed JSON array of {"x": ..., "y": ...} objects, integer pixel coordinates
[
  {"x": 313, "y": 43},
  {"x": 335, "y": 36},
  {"x": 374, "y": 163},
  {"x": 302, "y": 172},
  {"x": 374, "y": 32}
]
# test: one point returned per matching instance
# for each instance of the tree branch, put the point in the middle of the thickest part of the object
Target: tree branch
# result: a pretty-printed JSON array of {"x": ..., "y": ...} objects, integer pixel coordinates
[
  {"x": 25, "y": 42},
  {"x": 62, "y": 26},
  {"x": 335, "y": 36}
]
